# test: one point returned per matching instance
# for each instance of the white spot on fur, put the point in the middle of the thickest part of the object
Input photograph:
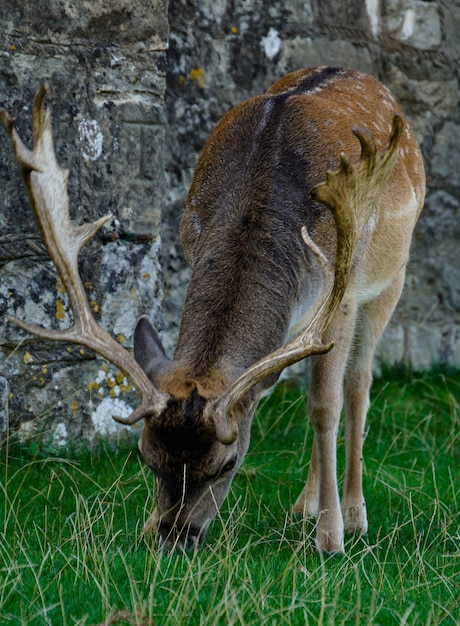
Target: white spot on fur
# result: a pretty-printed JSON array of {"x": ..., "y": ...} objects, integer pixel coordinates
[
  {"x": 91, "y": 139},
  {"x": 362, "y": 107}
]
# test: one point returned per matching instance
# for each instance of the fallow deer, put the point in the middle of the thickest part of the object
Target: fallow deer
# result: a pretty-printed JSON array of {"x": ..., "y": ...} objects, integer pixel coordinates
[{"x": 297, "y": 228}]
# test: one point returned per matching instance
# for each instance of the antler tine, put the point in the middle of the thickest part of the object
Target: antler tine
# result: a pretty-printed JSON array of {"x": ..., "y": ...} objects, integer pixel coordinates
[
  {"x": 46, "y": 184},
  {"x": 351, "y": 193}
]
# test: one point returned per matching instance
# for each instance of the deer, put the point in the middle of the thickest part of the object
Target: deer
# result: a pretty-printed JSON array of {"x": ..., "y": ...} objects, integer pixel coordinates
[{"x": 297, "y": 228}]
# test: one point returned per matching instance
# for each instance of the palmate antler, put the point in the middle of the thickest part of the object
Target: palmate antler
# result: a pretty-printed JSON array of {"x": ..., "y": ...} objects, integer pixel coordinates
[
  {"x": 351, "y": 193},
  {"x": 46, "y": 183}
]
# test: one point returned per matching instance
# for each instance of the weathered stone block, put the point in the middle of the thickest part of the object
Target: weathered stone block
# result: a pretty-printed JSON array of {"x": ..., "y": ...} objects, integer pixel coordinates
[
  {"x": 424, "y": 345},
  {"x": 445, "y": 152},
  {"x": 306, "y": 52},
  {"x": 122, "y": 21},
  {"x": 105, "y": 66},
  {"x": 414, "y": 22}
]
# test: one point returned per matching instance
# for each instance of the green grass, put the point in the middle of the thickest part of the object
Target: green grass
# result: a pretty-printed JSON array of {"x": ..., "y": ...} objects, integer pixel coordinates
[{"x": 72, "y": 549}]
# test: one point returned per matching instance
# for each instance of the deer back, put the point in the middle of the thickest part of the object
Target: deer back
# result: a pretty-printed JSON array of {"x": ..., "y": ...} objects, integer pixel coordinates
[{"x": 252, "y": 274}]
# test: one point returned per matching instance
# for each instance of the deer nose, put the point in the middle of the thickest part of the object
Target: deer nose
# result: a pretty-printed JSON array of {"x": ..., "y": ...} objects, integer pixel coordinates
[{"x": 172, "y": 536}]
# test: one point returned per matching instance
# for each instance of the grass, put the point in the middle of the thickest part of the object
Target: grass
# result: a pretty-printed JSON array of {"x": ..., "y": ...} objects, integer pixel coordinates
[{"x": 72, "y": 549}]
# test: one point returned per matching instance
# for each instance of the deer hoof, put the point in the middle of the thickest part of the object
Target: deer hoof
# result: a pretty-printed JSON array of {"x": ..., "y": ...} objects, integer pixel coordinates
[
  {"x": 355, "y": 519},
  {"x": 306, "y": 504},
  {"x": 330, "y": 541},
  {"x": 329, "y": 532}
]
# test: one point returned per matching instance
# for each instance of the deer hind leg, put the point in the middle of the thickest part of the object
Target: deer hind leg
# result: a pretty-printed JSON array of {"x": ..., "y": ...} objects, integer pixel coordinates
[
  {"x": 320, "y": 495},
  {"x": 372, "y": 319}
]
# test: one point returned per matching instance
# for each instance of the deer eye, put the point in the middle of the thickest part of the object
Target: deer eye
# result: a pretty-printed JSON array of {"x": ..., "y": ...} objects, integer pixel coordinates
[{"x": 230, "y": 464}]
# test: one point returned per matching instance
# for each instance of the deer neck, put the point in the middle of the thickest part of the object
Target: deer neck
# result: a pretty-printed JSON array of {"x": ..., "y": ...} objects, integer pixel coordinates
[{"x": 236, "y": 314}]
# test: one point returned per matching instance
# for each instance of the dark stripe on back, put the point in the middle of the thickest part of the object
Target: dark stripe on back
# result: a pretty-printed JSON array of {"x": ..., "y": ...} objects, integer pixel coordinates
[
  {"x": 304, "y": 86},
  {"x": 309, "y": 83}
]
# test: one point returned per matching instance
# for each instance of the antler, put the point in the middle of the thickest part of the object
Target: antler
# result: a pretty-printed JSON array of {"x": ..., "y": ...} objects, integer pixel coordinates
[
  {"x": 46, "y": 183},
  {"x": 351, "y": 193}
]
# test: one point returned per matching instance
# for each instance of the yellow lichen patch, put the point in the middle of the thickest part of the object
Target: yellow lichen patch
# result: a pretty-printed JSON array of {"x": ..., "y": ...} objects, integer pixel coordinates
[
  {"x": 123, "y": 384},
  {"x": 59, "y": 285},
  {"x": 95, "y": 306},
  {"x": 233, "y": 30},
  {"x": 93, "y": 386},
  {"x": 121, "y": 338},
  {"x": 60, "y": 310},
  {"x": 45, "y": 370},
  {"x": 197, "y": 74},
  {"x": 182, "y": 80},
  {"x": 146, "y": 275},
  {"x": 74, "y": 406},
  {"x": 88, "y": 285},
  {"x": 28, "y": 358}
]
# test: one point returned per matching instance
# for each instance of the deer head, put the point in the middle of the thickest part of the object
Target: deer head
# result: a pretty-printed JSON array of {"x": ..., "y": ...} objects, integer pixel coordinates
[{"x": 196, "y": 423}]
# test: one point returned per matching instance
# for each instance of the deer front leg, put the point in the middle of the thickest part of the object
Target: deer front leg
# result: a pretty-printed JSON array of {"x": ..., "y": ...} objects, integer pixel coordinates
[
  {"x": 372, "y": 319},
  {"x": 320, "y": 495},
  {"x": 329, "y": 527},
  {"x": 324, "y": 409}
]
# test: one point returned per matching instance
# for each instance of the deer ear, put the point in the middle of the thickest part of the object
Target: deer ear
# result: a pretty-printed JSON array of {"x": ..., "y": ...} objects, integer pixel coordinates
[{"x": 148, "y": 351}]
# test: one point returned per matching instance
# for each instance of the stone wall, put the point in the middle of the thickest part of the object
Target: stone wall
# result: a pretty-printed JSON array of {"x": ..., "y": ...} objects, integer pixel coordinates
[
  {"x": 105, "y": 64},
  {"x": 223, "y": 51},
  {"x": 131, "y": 148}
]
